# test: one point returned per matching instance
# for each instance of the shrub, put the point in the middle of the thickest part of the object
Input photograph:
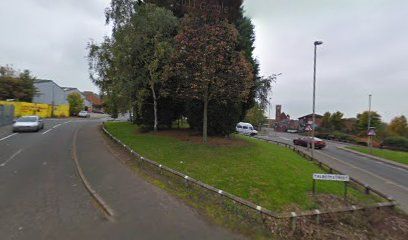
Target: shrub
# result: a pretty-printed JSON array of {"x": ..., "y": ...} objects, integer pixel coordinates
[{"x": 398, "y": 143}]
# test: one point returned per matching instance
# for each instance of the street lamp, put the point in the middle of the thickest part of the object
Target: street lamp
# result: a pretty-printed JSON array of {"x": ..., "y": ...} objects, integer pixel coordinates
[
  {"x": 370, "y": 139},
  {"x": 316, "y": 43}
]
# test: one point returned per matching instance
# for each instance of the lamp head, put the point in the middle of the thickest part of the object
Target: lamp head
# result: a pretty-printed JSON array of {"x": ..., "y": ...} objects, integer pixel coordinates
[{"x": 318, "y": 43}]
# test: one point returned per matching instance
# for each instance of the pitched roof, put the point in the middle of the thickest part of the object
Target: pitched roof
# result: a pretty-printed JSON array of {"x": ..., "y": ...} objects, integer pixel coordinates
[{"x": 93, "y": 98}]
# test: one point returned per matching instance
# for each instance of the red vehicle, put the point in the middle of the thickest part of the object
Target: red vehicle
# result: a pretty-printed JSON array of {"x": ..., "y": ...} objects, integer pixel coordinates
[{"x": 307, "y": 142}]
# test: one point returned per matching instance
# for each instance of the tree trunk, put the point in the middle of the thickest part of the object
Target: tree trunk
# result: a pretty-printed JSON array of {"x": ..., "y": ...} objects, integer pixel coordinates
[
  {"x": 205, "y": 117},
  {"x": 154, "y": 107}
]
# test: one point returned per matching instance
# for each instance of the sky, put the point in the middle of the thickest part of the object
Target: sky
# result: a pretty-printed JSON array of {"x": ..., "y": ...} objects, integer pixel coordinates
[
  {"x": 365, "y": 48},
  {"x": 365, "y": 51}
]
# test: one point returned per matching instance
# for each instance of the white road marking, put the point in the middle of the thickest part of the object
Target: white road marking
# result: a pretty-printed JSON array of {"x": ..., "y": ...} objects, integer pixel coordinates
[
  {"x": 56, "y": 126},
  {"x": 11, "y": 158},
  {"x": 287, "y": 139},
  {"x": 49, "y": 130},
  {"x": 9, "y": 136},
  {"x": 368, "y": 172},
  {"x": 67, "y": 122}
]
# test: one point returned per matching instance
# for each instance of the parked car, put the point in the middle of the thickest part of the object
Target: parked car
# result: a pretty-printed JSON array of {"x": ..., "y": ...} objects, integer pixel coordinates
[
  {"x": 28, "y": 124},
  {"x": 84, "y": 114},
  {"x": 246, "y": 129},
  {"x": 307, "y": 142}
]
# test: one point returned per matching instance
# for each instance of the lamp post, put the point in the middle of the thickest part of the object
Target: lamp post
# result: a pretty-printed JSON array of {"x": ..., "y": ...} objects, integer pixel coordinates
[
  {"x": 316, "y": 43},
  {"x": 369, "y": 140}
]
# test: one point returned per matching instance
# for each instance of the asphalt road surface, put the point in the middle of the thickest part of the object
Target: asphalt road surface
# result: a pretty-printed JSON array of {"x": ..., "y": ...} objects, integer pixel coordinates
[
  {"x": 383, "y": 177},
  {"x": 42, "y": 196}
]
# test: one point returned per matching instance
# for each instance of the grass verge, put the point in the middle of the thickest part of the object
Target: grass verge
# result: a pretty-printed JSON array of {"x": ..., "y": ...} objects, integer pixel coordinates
[
  {"x": 396, "y": 156},
  {"x": 266, "y": 174}
]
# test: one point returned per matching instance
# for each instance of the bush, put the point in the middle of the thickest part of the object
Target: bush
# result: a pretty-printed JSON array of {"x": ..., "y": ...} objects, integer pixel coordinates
[
  {"x": 338, "y": 136},
  {"x": 397, "y": 143}
]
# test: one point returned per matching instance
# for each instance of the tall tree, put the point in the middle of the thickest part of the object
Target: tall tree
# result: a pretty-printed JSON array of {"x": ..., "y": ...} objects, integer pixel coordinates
[
  {"x": 208, "y": 65},
  {"x": 16, "y": 85},
  {"x": 76, "y": 103},
  {"x": 155, "y": 28},
  {"x": 399, "y": 126},
  {"x": 326, "y": 124},
  {"x": 337, "y": 121},
  {"x": 362, "y": 120}
]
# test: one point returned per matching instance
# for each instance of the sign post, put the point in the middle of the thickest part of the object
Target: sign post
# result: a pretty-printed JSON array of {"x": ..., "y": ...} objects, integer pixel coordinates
[
  {"x": 371, "y": 133},
  {"x": 331, "y": 177}
]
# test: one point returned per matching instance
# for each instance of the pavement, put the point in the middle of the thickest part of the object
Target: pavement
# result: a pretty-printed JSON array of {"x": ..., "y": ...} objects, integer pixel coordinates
[
  {"x": 42, "y": 196},
  {"x": 386, "y": 178}
]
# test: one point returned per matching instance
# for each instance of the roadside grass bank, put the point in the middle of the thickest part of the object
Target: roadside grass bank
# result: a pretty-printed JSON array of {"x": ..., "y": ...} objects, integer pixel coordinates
[
  {"x": 368, "y": 224},
  {"x": 266, "y": 174},
  {"x": 396, "y": 156}
]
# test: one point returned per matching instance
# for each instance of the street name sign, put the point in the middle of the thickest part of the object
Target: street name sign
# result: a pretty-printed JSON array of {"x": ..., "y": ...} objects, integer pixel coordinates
[{"x": 331, "y": 177}]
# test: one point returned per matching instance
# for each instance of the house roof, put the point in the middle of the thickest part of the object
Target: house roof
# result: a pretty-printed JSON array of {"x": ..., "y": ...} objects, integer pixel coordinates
[
  {"x": 69, "y": 88},
  {"x": 42, "y": 81},
  {"x": 311, "y": 115},
  {"x": 93, "y": 98}
]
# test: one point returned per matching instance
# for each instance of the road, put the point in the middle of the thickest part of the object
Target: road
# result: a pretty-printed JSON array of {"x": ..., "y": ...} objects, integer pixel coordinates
[
  {"x": 386, "y": 178},
  {"x": 42, "y": 196}
]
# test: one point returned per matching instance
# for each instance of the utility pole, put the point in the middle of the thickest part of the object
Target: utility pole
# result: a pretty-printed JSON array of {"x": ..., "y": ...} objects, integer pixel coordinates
[
  {"x": 316, "y": 43},
  {"x": 370, "y": 138},
  {"x": 53, "y": 101}
]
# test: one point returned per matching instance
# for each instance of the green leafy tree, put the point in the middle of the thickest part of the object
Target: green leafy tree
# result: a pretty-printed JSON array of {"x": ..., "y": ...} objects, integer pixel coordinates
[
  {"x": 362, "y": 121},
  {"x": 154, "y": 28},
  {"x": 256, "y": 116},
  {"x": 337, "y": 121},
  {"x": 16, "y": 85},
  {"x": 76, "y": 103},
  {"x": 399, "y": 126},
  {"x": 326, "y": 124},
  {"x": 207, "y": 63}
]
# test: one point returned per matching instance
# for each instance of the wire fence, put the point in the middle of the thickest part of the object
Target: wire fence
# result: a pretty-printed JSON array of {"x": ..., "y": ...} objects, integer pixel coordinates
[{"x": 250, "y": 209}]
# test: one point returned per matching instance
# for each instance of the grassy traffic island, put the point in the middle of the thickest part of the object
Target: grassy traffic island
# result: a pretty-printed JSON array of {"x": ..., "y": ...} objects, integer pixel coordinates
[
  {"x": 396, "y": 156},
  {"x": 268, "y": 175}
]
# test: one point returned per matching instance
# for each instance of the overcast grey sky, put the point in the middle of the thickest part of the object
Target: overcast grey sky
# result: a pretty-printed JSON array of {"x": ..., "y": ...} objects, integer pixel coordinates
[{"x": 365, "y": 49}]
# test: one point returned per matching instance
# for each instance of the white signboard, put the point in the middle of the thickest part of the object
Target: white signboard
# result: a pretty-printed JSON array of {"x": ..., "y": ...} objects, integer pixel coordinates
[
  {"x": 331, "y": 177},
  {"x": 371, "y": 132}
]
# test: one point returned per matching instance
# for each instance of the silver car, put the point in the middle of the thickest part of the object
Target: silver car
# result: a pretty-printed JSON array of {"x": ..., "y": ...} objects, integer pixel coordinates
[{"x": 28, "y": 123}]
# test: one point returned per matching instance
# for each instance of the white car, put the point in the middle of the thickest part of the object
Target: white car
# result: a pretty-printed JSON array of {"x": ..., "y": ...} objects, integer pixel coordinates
[
  {"x": 28, "y": 123},
  {"x": 83, "y": 114},
  {"x": 246, "y": 129}
]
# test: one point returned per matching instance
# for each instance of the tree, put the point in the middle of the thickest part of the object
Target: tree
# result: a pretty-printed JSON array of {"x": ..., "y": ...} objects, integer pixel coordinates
[
  {"x": 256, "y": 115},
  {"x": 155, "y": 27},
  {"x": 326, "y": 124},
  {"x": 16, "y": 85},
  {"x": 207, "y": 64},
  {"x": 76, "y": 103},
  {"x": 337, "y": 121},
  {"x": 399, "y": 126},
  {"x": 362, "y": 120}
]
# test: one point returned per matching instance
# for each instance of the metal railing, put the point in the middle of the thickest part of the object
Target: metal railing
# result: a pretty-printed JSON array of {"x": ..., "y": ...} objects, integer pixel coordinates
[{"x": 293, "y": 216}]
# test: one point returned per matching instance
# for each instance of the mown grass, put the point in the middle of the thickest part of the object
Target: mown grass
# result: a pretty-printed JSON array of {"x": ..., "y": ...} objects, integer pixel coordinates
[
  {"x": 397, "y": 156},
  {"x": 266, "y": 174}
]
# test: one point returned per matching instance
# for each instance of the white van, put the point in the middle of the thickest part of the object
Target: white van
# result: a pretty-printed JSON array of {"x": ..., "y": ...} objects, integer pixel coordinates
[{"x": 246, "y": 129}]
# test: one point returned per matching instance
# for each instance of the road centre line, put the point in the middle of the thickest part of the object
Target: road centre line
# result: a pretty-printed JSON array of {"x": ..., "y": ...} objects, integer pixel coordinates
[
  {"x": 11, "y": 158},
  {"x": 287, "y": 139},
  {"x": 9, "y": 136},
  {"x": 368, "y": 172},
  {"x": 56, "y": 126},
  {"x": 49, "y": 130}
]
